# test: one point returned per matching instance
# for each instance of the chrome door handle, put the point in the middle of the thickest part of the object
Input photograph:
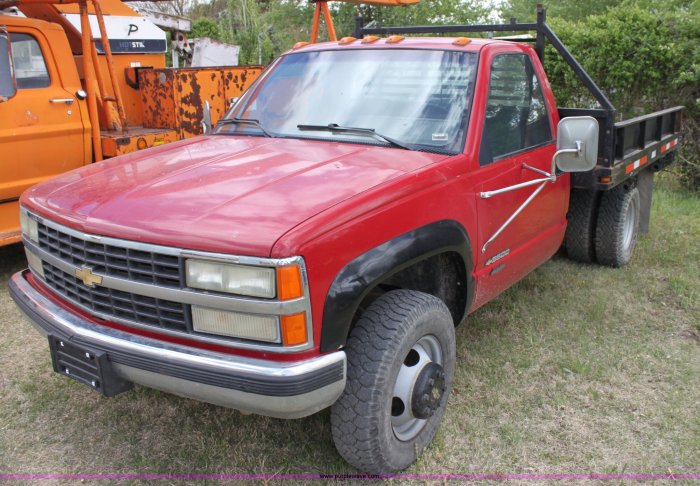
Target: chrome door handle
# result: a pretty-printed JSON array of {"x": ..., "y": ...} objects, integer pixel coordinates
[{"x": 68, "y": 101}]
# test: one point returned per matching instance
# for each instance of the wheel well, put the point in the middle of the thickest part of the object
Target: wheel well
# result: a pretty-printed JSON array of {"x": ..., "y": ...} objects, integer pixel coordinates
[{"x": 443, "y": 275}]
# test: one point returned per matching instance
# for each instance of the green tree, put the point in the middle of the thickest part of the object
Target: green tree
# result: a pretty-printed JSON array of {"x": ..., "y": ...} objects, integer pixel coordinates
[
  {"x": 644, "y": 58},
  {"x": 525, "y": 10},
  {"x": 204, "y": 27}
]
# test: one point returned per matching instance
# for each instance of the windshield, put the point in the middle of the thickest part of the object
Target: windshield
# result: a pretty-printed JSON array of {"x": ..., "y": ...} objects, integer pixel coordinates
[{"x": 416, "y": 99}]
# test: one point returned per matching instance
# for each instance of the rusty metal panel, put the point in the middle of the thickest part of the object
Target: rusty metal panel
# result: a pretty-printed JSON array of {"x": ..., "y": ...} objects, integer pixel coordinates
[
  {"x": 138, "y": 138},
  {"x": 157, "y": 87},
  {"x": 237, "y": 80},
  {"x": 174, "y": 98},
  {"x": 194, "y": 87}
]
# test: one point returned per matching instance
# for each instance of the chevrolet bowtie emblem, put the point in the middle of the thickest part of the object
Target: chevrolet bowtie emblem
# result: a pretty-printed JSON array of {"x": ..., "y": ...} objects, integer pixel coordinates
[{"x": 88, "y": 278}]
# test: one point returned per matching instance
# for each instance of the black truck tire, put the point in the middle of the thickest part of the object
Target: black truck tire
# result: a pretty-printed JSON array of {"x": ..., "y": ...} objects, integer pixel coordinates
[
  {"x": 618, "y": 225},
  {"x": 401, "y": 350},
  {"x": 581, "y": 227}
]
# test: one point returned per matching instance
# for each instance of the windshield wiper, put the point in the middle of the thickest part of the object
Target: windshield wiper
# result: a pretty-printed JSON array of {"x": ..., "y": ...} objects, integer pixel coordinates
[
  {"x": 369, "y": 132},
  {"x": 244, "y": 121}
]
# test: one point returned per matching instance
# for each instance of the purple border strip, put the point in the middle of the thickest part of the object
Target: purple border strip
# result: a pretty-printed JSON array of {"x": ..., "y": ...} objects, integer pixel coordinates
[{"x": 368, "y": 477}]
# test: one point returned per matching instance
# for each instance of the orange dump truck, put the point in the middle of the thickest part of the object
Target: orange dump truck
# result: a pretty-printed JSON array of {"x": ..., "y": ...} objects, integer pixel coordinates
[{"x": 61, "y": 109}]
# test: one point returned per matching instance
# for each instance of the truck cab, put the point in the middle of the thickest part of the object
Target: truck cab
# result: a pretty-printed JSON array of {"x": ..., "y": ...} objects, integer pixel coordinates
[{"x": 44, "y": 107}]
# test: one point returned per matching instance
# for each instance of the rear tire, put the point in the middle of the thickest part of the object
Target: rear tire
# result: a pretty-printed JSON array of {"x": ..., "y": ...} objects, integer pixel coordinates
[
  {"x": 401, "y": 356},
  {"x": 618, "y": 225},
  {"x": 581, "y": 228}
]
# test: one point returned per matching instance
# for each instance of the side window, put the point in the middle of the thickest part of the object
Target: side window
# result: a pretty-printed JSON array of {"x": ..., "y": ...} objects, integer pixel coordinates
[
  {"x": 30, "y": 67},
  {"x": 516, "y": 115}
]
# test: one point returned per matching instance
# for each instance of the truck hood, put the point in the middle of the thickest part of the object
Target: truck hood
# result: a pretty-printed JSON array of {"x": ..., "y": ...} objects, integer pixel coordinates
[{"x": 218, "y": 193}]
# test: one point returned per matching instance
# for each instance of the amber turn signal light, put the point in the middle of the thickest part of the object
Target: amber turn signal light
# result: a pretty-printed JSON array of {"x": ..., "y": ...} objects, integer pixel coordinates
[
  {"x": 294, "y": 329},
  {"x": 289, "y": 284}
]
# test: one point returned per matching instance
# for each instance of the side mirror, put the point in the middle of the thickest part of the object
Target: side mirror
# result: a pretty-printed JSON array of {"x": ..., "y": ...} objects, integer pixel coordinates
[
  {"x": 8, "y": 88},
  {"x": 206, "y": 118},
  {"x": 577, "y": 144}
]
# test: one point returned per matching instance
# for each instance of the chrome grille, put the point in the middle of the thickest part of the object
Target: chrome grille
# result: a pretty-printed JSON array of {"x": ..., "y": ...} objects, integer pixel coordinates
[
  {"x": 115, "y": 303},
  {"x": 126, "y": 263}
]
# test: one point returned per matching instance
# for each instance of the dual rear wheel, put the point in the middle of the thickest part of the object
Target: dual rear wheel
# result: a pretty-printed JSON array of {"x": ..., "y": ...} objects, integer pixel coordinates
[{"x": 603, "y": 227}]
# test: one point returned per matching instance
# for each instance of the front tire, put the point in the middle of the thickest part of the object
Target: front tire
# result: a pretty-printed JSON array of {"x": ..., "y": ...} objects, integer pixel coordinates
[{"x": 401, "y": 356}]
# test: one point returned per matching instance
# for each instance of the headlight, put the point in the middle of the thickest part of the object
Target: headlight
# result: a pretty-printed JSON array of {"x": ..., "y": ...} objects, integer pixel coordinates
[
  {"x": 235, "y": 324},
  {"x": 231, "y": 278},
  {"x": 30, "y": 228}
]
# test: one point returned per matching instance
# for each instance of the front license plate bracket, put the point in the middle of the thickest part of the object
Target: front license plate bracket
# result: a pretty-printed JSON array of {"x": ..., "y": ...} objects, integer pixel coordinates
[{"x": 89, "y": 367}]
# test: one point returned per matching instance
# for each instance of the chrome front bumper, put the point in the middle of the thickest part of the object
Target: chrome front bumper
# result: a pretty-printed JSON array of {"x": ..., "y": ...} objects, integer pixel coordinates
[{"x": 276, "y": 389}]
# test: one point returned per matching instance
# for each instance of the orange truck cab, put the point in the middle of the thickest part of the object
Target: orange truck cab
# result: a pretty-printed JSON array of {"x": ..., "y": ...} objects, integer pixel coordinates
[
  {"x": 44, "y": 128},
  {"x": 58, "y": 112}
]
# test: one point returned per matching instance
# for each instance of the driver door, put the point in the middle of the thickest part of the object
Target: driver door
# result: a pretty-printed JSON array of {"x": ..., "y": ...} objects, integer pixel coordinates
[
  {"x": 41, "y": 129},
  {"x": 517, "y": 146}
]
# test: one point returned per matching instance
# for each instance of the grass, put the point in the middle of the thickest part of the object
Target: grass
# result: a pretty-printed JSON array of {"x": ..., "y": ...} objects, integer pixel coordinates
[{"x": 576, "y": 369}]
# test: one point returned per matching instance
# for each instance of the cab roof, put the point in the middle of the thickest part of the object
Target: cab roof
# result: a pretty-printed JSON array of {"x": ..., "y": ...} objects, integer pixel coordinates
[{"x": 439, "y": 43}]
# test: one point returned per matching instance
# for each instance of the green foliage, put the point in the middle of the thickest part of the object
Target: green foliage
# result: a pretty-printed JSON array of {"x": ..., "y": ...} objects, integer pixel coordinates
[
  {"x": 204, "y": 27},
  {"x": 525, "y": 10},
  {"x": 644, "y": 59},
  {"x": 427, "y": 12},
  {"x": 291, "y": 20}
]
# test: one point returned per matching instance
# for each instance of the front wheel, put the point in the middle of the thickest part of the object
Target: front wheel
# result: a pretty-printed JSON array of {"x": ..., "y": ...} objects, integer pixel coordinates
[{"x": 401, "y": 356}]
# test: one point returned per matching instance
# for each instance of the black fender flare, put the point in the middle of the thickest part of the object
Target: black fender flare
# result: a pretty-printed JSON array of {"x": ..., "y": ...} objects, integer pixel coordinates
[{"x": 358, "y": 277}]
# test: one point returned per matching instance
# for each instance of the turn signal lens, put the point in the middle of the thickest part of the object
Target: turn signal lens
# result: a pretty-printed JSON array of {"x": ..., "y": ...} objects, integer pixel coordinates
[
  {"x": 289, "y": 284},
  {"x": 34, "y": 262},
  {"x": 294, "y": 329},
  {"x": 30, "y": 228}
]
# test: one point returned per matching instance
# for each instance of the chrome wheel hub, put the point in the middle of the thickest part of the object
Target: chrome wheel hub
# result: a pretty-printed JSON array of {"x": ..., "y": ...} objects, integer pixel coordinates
[
  {"x": 628, "y": 226},
  {"x": 419, "y": 388}
]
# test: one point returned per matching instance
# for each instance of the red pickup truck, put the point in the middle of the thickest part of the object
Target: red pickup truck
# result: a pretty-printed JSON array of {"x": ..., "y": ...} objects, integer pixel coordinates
[{"x": 318, "y": 247}]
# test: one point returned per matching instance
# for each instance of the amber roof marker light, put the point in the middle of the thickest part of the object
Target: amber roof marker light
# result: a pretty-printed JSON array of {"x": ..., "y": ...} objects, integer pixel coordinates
[{"x": 395, "y": 39}]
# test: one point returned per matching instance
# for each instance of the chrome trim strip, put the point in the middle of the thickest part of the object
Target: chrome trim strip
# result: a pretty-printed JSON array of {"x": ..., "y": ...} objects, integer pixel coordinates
[
  {"x": 78, "y": 328},
  {"x": 191, "y": 297},
  {"x": 165, "y": 250}
]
